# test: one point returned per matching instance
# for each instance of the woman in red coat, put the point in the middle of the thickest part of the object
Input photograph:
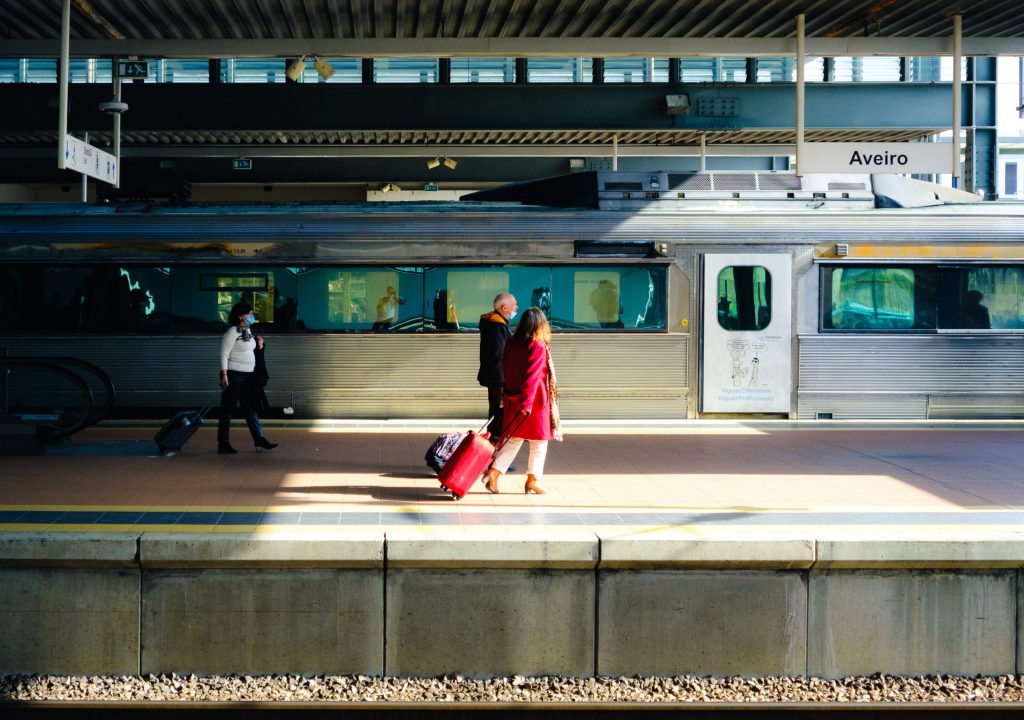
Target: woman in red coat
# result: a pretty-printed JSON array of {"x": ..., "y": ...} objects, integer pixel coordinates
[{"x": 530, "y": 402}]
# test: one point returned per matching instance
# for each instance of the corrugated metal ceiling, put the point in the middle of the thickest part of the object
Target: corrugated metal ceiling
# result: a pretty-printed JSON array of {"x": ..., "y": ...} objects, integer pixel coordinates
[{"x": 394, "y": 19}]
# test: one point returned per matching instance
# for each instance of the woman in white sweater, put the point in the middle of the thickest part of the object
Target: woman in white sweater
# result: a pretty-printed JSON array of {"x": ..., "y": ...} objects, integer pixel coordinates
[{"x": 238, "y": 378}]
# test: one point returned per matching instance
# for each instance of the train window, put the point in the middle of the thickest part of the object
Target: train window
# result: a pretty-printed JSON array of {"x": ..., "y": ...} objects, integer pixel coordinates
[
  {"x": 879, "y": 298},
  {"x": 198, "y": 298},
  {"x": 744, "y": 297},
  {"x": 981, "y": 298},
  {"x": 922, "y": 298},
  {"x": 201, "y": 298},
  {"x": 355, "y": 299},
  {"x": 108, "y": 299}
]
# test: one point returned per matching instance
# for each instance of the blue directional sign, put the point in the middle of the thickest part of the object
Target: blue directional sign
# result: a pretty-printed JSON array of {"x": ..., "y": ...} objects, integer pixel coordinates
[
  {"x": 241, "y": 164},
  {"x": 132, "y": 69}
]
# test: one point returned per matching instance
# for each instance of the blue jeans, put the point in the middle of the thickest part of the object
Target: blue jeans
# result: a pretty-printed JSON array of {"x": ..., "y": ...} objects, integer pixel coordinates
[{"x": 241, "y": 388}]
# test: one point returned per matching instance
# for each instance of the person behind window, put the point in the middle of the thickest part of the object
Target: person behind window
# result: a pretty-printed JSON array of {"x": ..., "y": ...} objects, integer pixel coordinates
[
  {"x": 531, "y": 401},
  {"x": 238, "y": 348},
  {"x": 605, "y": 301},
  {"x": 387, "y": 310},
  {"x": 494, "y": 334},
  {"x": 972, "y": 313}
]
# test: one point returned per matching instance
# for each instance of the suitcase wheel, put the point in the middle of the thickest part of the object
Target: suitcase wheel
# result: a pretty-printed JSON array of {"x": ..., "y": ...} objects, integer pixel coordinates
[{"x": 455, "y": 496}]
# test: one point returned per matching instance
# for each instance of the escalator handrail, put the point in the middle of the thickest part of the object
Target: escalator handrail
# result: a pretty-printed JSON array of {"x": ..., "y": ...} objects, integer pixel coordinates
[
  {"x": 108, "y": 385},
  {"x": 76, "y": 379}
]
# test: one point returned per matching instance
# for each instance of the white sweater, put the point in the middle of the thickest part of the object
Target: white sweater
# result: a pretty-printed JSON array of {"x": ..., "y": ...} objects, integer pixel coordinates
[{"x": 236, "y": 353}]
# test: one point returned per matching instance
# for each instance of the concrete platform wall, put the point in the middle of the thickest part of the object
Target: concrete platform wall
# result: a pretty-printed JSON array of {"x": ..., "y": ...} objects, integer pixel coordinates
[{"x": 505, "y": 602}]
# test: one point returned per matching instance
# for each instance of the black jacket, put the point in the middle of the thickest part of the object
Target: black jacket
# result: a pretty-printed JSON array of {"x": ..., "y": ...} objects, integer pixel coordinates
[{"x": 494, "y": 333}]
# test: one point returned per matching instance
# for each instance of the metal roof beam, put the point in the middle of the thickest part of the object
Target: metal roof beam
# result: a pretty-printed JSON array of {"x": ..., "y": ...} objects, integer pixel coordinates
[
  {"x": 425, "y": 151},
  {"x": 329, "y": 108},
  {"x": 517, "y": 47}
]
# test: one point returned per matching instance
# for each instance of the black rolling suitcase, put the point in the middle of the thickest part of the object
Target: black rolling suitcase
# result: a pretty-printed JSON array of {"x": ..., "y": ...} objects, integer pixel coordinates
[{"x": 173, "y": 436}]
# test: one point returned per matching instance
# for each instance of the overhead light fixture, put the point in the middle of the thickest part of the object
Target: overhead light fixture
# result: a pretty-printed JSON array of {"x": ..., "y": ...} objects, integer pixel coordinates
[
  {"x": 390, "y": 187},
  {"x": 293, "y": 70},
  {"x": 450, "y": 163},
  {"x": 435, "y": 162},
  {"x": 677, "y": 104},
  {"x": 323, "y": 67}
]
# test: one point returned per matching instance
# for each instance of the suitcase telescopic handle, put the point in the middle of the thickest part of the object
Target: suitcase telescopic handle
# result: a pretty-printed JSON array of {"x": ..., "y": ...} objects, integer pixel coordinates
[{"x": 507, "y": 434}]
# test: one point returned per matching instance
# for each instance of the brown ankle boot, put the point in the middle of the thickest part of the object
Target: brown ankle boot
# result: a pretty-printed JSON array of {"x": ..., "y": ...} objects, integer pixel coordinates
[
  {"x": 491, "y": 481},
  {"x": 533, "y": 485}
]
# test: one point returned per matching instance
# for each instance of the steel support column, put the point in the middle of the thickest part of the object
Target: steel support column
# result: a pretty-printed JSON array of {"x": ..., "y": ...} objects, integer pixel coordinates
[{"x": 981, "y": 150}]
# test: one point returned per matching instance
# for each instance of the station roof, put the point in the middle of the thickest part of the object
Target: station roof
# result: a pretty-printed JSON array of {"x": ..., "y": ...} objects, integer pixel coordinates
[
  {"x": 302, "y": 143},
  {"x": 506, "y": 26}
]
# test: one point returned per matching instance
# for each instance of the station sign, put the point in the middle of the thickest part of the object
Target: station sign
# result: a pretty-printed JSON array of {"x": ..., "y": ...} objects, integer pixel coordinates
[
  {"x": 80, "y": 156},
  {"x": 132, "y": 69},
  {"x": 876, "y": 158}
]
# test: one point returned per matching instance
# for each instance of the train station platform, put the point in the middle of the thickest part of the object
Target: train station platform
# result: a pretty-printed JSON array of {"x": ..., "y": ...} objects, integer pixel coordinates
[{"x": 705, "y": 547}]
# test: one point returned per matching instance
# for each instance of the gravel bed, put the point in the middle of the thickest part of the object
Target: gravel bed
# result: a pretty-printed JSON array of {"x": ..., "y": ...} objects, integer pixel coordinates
[{"x": 361, "y": 688}]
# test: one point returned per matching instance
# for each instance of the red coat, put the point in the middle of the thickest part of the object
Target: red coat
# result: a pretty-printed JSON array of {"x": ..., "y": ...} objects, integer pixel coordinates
[{"x": 526, "y": 386}]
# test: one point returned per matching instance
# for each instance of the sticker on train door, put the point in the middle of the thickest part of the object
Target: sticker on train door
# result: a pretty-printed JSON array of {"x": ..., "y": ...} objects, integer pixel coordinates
[{"x": 747, "y": 362}]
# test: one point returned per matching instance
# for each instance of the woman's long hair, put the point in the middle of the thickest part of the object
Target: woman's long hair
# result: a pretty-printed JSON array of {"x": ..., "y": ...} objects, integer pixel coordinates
[{"x": 533, "y": 325}]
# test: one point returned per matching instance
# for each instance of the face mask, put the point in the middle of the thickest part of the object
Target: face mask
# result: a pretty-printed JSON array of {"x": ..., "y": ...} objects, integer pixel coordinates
[
  {"x": 512, "y": 316},
  {"x": 249, "y": 319}
]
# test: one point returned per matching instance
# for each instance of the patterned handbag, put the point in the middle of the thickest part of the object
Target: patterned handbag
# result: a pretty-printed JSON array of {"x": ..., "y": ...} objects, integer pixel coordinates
[{"x": 556, "y": 420}]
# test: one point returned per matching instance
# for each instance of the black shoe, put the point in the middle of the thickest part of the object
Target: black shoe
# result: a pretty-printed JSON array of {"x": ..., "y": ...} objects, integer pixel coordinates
[
  {"x": 511, "y": 468},
  {"x": 265, "y": 444},
  {"x": 225, "y": 449}
]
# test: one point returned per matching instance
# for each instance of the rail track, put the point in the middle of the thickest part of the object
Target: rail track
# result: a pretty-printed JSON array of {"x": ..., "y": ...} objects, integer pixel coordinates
[{"x": 506, "y": 710}]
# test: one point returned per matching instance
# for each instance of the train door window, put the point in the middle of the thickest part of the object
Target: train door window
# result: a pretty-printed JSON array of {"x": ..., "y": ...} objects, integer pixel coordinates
[
  {"x": 981, "y": 298},
  {"x": 1010, "y": 179},
  {"x": 878, "y": 298},
  {"x": 744, "y": 297}
]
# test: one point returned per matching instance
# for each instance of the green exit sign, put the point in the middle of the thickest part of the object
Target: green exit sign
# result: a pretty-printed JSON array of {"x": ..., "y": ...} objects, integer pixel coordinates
[
  {"x": 132, "y": 69},
  {"x": 241, "y": 164},
  {"x": 430, "y": 186}
]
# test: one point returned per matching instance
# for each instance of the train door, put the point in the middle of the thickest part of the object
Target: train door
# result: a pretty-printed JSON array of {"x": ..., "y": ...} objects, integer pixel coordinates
[{"x": 746, "y": 362}]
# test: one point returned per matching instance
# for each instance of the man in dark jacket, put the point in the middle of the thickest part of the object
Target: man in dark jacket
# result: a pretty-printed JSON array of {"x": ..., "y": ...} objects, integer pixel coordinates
[{"x": 494, "y": 333}]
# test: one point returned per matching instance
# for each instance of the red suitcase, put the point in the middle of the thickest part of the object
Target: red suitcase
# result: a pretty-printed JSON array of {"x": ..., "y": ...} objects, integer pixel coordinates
[{"x": 467, "y": 464}]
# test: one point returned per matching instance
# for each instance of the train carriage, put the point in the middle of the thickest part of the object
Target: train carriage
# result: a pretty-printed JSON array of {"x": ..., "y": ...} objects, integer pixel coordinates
[{"x": 672, "y": 296}]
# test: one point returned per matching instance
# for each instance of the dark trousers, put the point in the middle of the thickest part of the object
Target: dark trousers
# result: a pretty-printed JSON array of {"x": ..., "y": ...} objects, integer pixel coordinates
[
  {"x": 241, "y": 389},
  {"x": 494, "y": 411}
]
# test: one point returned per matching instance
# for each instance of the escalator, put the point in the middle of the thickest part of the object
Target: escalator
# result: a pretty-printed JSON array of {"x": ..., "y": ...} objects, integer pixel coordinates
[{"x": 46, "y": 400}]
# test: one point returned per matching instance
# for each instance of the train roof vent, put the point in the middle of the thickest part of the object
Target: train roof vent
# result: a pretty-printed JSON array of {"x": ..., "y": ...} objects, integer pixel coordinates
[
  {"x": 837, "y": 186},
  {"x": 735, "y": 182},
  {"x": 690, "y": 181},
  {"x": 778, "y": 182}
]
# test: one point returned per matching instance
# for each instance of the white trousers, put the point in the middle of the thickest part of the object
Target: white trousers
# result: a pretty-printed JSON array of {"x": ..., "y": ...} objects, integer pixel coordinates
[{"x": 534, "y": 466}]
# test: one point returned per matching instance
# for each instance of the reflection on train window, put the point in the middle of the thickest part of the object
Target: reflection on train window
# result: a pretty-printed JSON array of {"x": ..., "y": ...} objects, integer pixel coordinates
[
  {"x": 201, "y": 298},
  {"x": 923, "y": 298},
  {"x": 880, "y": 298},
  {"x": 38, "y": 299},
  {"x": 197, "y": 299},
  {"x": 353, "y": 299},
  {"x": 981, "y": 298},
  {"x": 617, "y": 297},
  {"x": 596, "y": 298},
  {"x": 744, "y": 297}
]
